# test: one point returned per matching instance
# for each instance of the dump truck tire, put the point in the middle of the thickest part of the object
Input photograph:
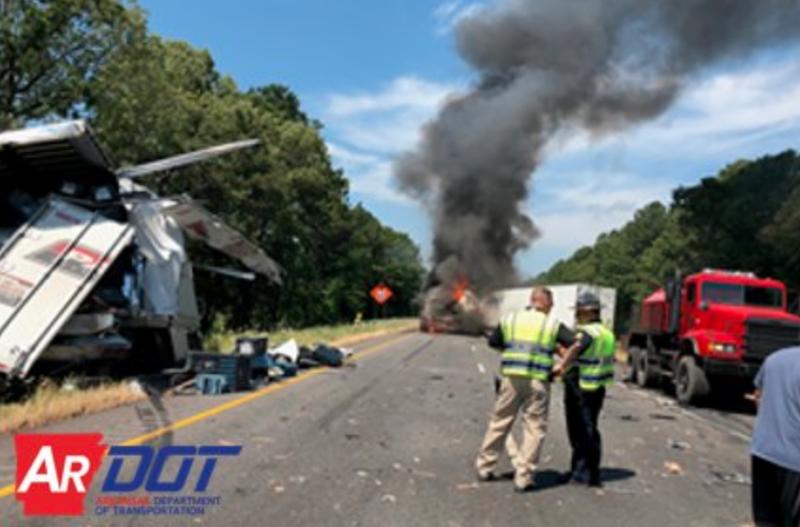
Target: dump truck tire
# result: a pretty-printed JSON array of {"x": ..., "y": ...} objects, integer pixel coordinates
[
  {"x": 691, "y": 384},
  {"x": 643, "y": 372}
]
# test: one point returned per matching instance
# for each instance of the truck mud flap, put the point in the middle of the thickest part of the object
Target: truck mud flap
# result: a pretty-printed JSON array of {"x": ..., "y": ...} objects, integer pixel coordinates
[{"x": 47, "y": 269}]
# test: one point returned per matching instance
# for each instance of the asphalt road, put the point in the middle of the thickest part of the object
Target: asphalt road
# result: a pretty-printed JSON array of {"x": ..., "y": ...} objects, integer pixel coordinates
[{"x": 391, "y": 441}]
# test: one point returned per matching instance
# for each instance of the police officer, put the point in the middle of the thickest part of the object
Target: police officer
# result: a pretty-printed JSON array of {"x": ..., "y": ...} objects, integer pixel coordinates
[
  {"x": 528, "y": 339},
  {"x": 585, "y": 384}
]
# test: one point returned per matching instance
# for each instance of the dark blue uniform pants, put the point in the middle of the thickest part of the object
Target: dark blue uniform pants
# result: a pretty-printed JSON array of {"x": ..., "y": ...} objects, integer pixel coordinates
[{"x": 583, "y": 414}]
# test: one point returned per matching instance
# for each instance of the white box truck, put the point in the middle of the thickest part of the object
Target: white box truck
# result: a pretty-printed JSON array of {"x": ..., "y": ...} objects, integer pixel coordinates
[{"x": 565, "y": 296}]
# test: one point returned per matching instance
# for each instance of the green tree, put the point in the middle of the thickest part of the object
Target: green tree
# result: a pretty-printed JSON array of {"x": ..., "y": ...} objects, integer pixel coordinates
[{"x": 50, "y": 50}]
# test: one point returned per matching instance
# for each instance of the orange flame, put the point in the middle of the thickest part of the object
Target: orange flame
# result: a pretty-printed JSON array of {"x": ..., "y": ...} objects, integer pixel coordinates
[{"x": 460, "y": 288}]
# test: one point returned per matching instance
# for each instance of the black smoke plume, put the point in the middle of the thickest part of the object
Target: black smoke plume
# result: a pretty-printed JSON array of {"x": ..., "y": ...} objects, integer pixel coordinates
[{"x": 548, "y": 67}]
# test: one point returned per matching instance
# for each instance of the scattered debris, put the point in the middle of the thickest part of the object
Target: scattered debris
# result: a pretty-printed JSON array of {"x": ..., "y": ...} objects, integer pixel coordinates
[
  {"x": 388, "y": 498},
  {"x": 629, "y": 417},
  {"x": 362, "y": 473},
  {"x": 673, "y": 468},
  {"x": 663, "y": 417},
  {"x": 468, "y": 486},
  {"x": 732, "y": 477},
  {"x": 679, "y": 445}
]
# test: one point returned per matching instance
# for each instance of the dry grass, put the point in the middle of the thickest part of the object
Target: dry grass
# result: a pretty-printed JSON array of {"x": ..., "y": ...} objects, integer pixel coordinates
[
  {"x": 50, "y": 404},
  {"x": 343, "y": 335}
]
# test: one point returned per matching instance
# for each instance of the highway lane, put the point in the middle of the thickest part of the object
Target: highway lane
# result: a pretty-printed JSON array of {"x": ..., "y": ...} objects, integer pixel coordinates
[{"x": 391, "y": 441}]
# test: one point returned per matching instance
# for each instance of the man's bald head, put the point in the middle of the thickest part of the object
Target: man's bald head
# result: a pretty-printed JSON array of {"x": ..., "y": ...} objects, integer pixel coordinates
[{"x": 542, "y": 299}]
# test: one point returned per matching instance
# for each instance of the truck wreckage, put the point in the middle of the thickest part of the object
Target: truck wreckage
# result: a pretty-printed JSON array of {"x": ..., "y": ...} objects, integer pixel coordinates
[{"x": 93, "y": 266}]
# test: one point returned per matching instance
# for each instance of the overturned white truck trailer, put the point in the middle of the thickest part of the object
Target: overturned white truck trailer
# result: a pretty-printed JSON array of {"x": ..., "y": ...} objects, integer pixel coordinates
[
  {"x": 564, "y": 298},
  {"x": 93, "y": 267}
]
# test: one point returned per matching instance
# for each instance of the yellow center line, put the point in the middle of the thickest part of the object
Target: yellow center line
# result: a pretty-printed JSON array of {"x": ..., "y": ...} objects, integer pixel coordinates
[{"x": 9, "y": 489}]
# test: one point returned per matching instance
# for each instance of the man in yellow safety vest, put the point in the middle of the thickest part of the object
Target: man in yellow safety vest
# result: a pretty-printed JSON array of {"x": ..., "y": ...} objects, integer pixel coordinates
[{"x": 528, "y": 339}]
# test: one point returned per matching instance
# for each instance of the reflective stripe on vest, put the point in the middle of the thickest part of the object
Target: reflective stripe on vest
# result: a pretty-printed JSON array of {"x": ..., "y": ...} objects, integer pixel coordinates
[
  {"x": 596, "y": 365},
  {"x": 530, "y": 340}
]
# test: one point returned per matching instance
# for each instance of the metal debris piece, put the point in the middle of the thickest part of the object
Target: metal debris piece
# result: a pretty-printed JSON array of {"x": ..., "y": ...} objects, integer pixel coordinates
[
  {"x": 732, "y": 477},
  {"x": 663, "y": 417},
  {"x": 679, "y": 445}
]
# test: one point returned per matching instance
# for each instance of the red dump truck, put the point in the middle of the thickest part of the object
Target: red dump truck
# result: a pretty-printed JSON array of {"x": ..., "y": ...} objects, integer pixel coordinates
[{"x": 710, "y": 332}]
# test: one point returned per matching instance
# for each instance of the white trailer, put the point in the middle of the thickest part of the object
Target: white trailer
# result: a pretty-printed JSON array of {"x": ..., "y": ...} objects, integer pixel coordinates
[
  {"x": 93, "y": 267},
  {"x": 565, "y": 296}
]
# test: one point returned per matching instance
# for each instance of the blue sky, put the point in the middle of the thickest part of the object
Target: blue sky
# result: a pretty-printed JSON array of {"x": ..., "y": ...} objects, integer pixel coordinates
[{"x": 373, "y": 72}]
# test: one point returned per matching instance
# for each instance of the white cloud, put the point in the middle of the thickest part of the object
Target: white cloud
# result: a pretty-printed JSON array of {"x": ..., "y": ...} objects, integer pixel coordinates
[
  {"x": 366, "y": 130},
  {"x": 450, "y": 13},
  {"x": 716, "y": 115},
  {"x": 369, "y": 174},
  {"x": 404, "y": 93},
  {"x": 572, "y": 211}
]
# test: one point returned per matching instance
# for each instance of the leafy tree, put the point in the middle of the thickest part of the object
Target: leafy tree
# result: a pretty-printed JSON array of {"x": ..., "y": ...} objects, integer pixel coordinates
[{"x": 51, "y": 49}]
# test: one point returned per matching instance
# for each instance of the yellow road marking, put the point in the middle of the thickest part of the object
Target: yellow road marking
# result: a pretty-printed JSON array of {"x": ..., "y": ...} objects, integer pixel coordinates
[{"x": 9, "y": 489}]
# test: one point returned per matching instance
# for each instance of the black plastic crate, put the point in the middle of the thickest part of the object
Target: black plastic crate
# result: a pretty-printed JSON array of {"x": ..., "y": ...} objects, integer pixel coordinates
[
  {"x": 253, "y": 346},
  {"x": 235, "y": 368}
]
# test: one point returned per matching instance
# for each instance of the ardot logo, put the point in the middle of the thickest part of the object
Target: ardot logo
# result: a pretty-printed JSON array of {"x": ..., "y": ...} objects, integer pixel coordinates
[
  {"x": 54, "y": 471},
  {"x": 150, "y": 465}
]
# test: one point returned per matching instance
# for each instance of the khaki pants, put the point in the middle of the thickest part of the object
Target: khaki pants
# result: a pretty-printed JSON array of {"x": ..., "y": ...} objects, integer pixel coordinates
[{"x": 530, "y": 397}]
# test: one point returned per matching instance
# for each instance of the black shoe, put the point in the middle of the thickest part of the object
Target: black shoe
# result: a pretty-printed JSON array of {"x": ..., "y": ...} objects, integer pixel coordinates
[{"x": 595, "y": 483}]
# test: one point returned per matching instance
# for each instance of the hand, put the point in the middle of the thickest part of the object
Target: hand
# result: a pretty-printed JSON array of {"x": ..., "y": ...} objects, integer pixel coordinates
[{"x": 558, "y": 371}]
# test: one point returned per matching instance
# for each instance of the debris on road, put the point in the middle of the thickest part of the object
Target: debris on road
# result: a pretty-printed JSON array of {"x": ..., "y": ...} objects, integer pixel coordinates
[
  {"x": 732, "y": 477},
  {"x": 678, "y": 445},
  {"x": 663, "y": 417},
  {"x": 388, "y": 498},
  {"x": 253, "y": 363},
  {"x": 673, "y": 468},
  {"x": 467, "y": 486}
]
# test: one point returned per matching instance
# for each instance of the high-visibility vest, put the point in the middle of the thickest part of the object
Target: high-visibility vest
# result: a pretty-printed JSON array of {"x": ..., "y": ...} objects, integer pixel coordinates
[
  {"x": 529, "y": 339},
  {"x": 596, "y": 364}
]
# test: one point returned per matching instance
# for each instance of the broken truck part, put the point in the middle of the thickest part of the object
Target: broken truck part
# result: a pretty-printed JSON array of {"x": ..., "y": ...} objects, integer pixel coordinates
[{"x": 93, "y": 267}]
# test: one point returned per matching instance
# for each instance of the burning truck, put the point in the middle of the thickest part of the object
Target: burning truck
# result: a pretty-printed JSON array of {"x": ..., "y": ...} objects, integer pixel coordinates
[
  {"x": 94, "y": 272},
  {"x": 452, "y": 308}
]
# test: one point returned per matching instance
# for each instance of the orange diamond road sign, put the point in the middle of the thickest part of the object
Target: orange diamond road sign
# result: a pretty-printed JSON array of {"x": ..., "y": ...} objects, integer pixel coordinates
[{"x": 381, "y": 293}]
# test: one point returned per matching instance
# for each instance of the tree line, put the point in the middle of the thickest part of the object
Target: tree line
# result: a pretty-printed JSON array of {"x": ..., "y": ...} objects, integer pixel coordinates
[
  {"x": 148, "y": 98},
  {"x": 747, "y": 218}
]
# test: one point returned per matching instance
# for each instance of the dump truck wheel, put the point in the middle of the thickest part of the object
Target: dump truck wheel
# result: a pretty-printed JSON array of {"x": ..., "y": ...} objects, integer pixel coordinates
[
  {"x": 643, "y": 371},
  {"x": 691, "y": 383}
]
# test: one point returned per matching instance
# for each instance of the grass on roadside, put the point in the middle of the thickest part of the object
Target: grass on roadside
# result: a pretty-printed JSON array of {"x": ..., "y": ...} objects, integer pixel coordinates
[
  {"x": 341, "y": 335},
  {"x": 50, "y": 404}
]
